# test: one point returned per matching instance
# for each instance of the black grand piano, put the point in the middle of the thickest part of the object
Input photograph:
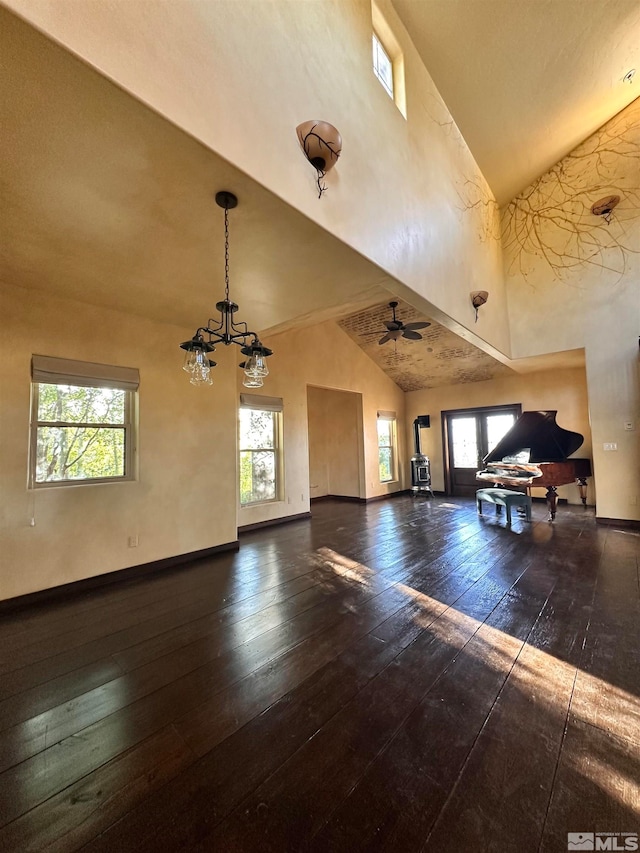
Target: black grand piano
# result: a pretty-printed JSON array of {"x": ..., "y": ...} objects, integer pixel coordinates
[{"x": 535, "y": 453}]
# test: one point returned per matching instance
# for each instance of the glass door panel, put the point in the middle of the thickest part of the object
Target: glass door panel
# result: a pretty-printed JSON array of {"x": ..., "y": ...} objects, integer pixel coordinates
[
  {"x": 470, "y": 435},
  {"x": 496, "y": 427},
  {"x": 464, "y": 442}
]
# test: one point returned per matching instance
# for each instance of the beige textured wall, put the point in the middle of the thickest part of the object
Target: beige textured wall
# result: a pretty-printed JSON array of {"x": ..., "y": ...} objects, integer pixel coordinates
[
  {"x": 318, "y": 451},
  {"x": 240, "y": 76},
  {"x": 187, "y": 450},
  {"x": 187, "y": 441},
  {"x": 595, "y": 305},
  {"x": 324, "y": 356},
  {"x": 344, "y": 444},
  {"x": 563, "y": 390},
  {"x": 220, "y": 70}
]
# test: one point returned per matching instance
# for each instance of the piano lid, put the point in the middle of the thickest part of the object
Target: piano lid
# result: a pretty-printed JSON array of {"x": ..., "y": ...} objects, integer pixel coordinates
[{"x": 538, "y": 432}]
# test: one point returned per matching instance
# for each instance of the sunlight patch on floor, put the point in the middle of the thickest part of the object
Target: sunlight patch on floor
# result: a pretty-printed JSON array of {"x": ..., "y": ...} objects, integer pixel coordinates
[
  {"x": 546, "y": 682},
  {"x": 344, "y": 566}
]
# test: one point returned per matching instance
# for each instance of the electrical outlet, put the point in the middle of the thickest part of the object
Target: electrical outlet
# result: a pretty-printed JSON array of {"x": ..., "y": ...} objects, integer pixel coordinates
[
  {"x": 633, "y": 500},
  {"x": 133, "y": 542},
  {"x": 610, "y": 445}
]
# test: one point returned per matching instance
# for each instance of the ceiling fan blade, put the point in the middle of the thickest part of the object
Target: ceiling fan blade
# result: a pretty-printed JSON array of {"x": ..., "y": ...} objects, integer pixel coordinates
[
  {"x": 413, "y": 326},
  {"x": 412, "y": 336},
  {"x": 384, "y": 339},
  {"x": 393, "y": 325}
]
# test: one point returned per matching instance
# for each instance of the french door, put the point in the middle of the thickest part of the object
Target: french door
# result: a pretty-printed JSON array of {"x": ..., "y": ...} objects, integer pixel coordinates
[{"x": 469, "y": 434}]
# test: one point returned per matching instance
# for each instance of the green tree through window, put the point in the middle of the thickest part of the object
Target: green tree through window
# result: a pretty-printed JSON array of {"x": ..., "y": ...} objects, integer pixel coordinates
[
  {"x": 80, "y": 433},
  {"x": 258, "y": 455},
  {"x": 386, "y": 449}
]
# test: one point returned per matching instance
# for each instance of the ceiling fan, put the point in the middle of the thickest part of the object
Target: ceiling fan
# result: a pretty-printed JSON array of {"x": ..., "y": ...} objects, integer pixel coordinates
[{"x": 397, "y": 329}]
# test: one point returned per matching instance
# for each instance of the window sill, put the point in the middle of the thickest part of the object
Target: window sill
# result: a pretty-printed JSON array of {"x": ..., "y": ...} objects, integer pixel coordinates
[
  {"x": 61, "y": 484},
  {"x": 270, "y": 502}
]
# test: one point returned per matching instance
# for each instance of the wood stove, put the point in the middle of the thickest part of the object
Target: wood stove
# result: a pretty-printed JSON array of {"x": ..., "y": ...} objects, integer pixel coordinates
[{"x": 420, "y": 466}]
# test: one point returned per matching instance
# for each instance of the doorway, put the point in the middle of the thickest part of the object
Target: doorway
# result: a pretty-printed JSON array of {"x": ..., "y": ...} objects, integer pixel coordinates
[
  {"x": 336, "y": 444},
  {"x": 469, "y": 434}
]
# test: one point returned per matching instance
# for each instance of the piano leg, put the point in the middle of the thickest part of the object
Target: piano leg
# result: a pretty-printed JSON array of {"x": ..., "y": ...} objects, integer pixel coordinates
[
  {"x": 582, "y": 488},
  {"x": 552, "y": 500}
]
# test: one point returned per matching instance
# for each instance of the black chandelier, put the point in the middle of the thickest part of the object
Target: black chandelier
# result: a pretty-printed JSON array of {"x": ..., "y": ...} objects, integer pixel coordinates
[{"x": 225, "y": 331}]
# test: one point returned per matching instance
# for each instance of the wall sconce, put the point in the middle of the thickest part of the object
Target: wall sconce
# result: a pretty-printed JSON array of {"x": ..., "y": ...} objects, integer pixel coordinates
[
  {"x": 605, "y": 206},
  {"x": 478, "y": 298},
  {"x": 322, "y": 145}
]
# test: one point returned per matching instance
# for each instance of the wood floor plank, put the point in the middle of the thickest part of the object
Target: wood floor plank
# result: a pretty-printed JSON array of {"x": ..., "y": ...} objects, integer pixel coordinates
[
  {"x": 215, "y": 783},
  {"x": 605, "y": 693},
  {"x": 597, "y": 787},
  {"x": 401, "y": 675},
  {"x": 28, "y": 738},
  {"x": 180, "y": 609},
  {"x": 82, "y": 653},
  {"x": 209, "y": 576},
  {"x": 504, "y": 788},
  {"x": 126, "y": 829},
  {"x": 298, "y": 801},
  {"x": 29, "y": 703},
  {"x": 416, "y": 769},
  {"x": 93, "y": 744},
  {"x": 74, "y": 815},
  {"x": 162, "y": 642},
  {"x": 122, "y": 612}
]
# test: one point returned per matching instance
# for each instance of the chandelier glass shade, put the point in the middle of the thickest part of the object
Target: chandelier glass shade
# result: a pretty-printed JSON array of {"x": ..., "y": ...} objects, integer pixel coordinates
[
  {"x": 196, "y": 362},
  {"x": 225, "y": 330}
]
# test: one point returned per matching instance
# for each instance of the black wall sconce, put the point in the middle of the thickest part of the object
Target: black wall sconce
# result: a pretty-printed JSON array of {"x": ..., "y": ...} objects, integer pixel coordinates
[{"x": 478, "y": 298}]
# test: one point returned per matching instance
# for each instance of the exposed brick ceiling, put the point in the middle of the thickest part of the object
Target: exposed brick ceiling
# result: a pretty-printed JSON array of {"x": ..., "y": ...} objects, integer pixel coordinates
[{"x": 440, "y": 358}]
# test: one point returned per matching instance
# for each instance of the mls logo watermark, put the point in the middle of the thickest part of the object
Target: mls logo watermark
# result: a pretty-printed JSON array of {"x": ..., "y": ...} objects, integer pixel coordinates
[{"x": 615, "y": 841}]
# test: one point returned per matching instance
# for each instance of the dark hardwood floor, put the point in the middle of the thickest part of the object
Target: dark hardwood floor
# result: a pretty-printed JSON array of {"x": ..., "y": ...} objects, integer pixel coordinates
[{"x": 399, "y": 676}]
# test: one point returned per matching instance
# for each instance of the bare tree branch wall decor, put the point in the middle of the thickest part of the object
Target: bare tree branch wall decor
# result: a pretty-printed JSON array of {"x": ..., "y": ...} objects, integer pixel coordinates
[
  {"x": 475, "y": 195},
  {"x": 473, "y": 192},
  {"x": 553, "y": 220}
]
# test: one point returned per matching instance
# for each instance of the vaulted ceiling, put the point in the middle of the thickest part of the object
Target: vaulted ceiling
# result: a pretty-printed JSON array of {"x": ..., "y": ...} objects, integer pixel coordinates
[
  {"x": 440, "y": 358},
  {"x": 527, "y": 80},
  {"x": 108, "y": 203}
]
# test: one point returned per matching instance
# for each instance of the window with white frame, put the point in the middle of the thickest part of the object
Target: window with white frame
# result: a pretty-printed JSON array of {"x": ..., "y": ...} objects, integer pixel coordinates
[
  {"x": 382, "y": 65},
  {"x": 387, "y": 446},
  {"x": 388, "y": 59},
  {"x": 82, "y": 422},
  {"x": 259, "y": 444}
]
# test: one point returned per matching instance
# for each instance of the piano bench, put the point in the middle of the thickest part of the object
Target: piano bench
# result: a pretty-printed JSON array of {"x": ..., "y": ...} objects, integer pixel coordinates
[{"x": 504, "y": 498}]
